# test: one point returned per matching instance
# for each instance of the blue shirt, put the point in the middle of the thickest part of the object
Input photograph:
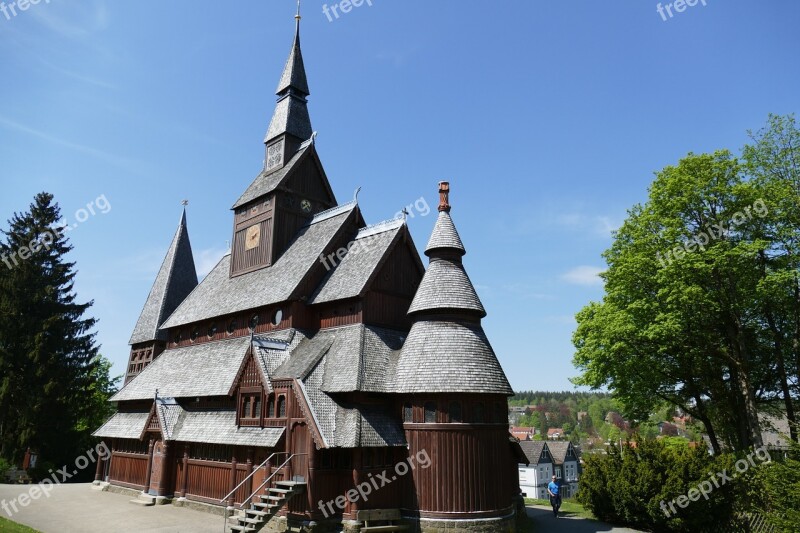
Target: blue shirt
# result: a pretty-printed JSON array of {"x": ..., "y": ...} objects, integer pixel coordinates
[{"x": 553, "y": 487}]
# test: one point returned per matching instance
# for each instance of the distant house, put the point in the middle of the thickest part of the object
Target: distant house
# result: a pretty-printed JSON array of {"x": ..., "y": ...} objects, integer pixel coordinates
[
  {"x": 668, "y": 430},
  {"x": 534, "y": 477},
  {"x": 565, "y": 466},
  {"x": 774, "y": 431},
  {"x": 522, "y": 433},
  {"x": 555, "y": 433}
]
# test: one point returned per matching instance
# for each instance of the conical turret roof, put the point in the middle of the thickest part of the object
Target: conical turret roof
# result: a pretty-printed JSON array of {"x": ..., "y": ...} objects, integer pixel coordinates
[{"x": 446, "y": 349}]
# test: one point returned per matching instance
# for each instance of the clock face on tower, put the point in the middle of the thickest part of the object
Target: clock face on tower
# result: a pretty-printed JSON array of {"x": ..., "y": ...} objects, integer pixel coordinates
[
  {"x": 305, "y": 205},
  {"x": 252, "y": 237}
]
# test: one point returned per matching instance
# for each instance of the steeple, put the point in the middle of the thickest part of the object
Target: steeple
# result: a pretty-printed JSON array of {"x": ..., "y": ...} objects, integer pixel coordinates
[
  {"x": 446, "y": 287},
  {"x": 290, "y": 125},
  {"x": 446, "y": 338},
  {"x": 175, "y": 280}
]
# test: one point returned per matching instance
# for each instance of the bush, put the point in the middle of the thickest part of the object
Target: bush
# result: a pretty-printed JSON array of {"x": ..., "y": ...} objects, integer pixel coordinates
[
  {"x": 774, "y": 490},
  {"x": 635, "y": 486}
]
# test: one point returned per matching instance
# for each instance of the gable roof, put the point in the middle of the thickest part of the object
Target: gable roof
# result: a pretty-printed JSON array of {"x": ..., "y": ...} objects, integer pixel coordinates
[
  {"x": 176, "y": 278},
  {"x": 558, "y": 449},
  {"x": 350, "y": 277},
  {"x": 345, "y": 425},
  {"x": 268, "y": 181},
  {"x": 219, "y": 294},
  {"x": 349, "y": 358},
  {"x": 533, "y": 450},
  {"x": 207, "y": 369}
]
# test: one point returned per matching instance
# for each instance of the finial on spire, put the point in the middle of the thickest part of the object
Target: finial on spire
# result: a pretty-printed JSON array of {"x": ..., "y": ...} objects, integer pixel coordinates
[
  {"x": 444, "y": 196},
  {"x": 297, "y": 18},
  {"x": 184, "y": 203}
]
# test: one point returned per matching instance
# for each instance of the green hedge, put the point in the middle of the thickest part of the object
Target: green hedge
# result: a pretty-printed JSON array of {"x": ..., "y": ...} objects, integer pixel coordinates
[{"x": 645, "y": 486}]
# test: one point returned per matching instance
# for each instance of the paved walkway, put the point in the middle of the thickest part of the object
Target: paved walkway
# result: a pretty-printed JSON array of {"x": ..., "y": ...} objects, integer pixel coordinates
[
  {"x": 76, "y": 508},
  {"x": 547, "y": 523}
]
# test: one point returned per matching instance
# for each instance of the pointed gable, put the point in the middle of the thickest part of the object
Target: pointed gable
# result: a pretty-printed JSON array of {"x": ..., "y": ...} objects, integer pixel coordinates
[{"x": 175, "y": 280}]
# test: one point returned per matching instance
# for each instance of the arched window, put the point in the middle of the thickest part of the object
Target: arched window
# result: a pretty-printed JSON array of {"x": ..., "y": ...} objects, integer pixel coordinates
[
  {"x": 478, "y": 415},
  {"x": 245, "y": 407},
  {"x": 408, "y": 413},
  {"x": 271, "y": 406},
  {"x": 282, "y": 407},
  {"x": 500, "y": 412},
  {"x": 455, "y": 412},
  {"x": 430, "y": 412}
]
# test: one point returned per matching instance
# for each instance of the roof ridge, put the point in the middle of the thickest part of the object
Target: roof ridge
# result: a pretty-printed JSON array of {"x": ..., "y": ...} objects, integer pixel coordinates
[
  {"x": 380, "y": 227},
  {"x": 332, "y": 212}
]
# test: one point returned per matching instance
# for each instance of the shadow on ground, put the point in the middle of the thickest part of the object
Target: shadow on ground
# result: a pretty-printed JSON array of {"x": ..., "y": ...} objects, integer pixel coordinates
[{"x": 545, "y": 522}]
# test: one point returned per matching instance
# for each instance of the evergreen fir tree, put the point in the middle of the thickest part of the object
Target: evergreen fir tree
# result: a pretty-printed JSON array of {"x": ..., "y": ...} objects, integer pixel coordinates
[{"x": 47, "y": 347}]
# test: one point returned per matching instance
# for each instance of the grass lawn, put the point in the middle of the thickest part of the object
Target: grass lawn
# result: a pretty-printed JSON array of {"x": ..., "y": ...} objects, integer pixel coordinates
[
  {"x": 7, "y": 526},
  {"x": 568, "y": 508}
]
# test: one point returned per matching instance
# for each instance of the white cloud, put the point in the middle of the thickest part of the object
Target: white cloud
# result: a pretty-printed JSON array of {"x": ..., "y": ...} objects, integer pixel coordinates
[{"x": 583, "y": 275}]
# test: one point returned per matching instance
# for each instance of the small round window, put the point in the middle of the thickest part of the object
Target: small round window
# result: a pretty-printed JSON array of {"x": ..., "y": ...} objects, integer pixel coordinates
[
  {"x": 253, "y": 322},
  {"x": 231, "y": 327},
  {"x": 195, "y": 334},
  {"x": 178, "y": 338},
  {"x": 212, "y": 330},
  {"x": 277, "y": 318}
]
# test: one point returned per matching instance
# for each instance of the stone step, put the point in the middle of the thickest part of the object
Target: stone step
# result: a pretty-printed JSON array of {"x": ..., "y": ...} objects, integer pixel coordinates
[
  {"x": 252, "y": 512},
  {"x": 383, "y": 529},
  {"x": 242, "y": 528},
  {"x": 145, "y": 500}
]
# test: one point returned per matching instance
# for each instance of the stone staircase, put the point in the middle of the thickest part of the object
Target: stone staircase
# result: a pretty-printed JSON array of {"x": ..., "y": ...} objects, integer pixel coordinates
[{"x": 259, "y": 513}]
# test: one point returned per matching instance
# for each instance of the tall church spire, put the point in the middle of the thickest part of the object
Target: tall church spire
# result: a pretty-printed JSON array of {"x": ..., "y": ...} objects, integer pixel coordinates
[
  {"x": 175, "y": 280},
  {"x": 290, "y": 125}
]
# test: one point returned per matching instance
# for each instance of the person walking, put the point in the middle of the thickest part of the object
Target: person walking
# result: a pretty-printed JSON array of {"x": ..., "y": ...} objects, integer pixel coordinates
[{"x": 554, "y": 490}]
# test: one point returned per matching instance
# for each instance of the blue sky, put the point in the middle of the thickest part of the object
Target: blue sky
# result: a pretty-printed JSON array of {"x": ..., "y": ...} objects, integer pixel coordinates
[{"x": 548, "y": 119}]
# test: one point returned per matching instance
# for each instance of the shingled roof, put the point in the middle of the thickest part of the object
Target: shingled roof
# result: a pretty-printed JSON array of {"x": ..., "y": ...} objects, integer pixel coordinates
[
  {"x": 219, "y": 427},
  {"x": 533, "y": 450},
  {"x": 269, "y": 180},
  {"x": 175, "y": 280},
  {"x": 446, "y": 349},
  {"x": 345, "y": 425},
  {"x": 446, "y": 287},
  {"x": 448, "y": 356},
  {"x": 349, "y": 277},
  {"x": 558, "y": 449},
  {"x": 123, "y": 426},
  {"x": 207, "y": 369},
  {"x": 291, "y": 112},
  {"x": 219, "y": 294},
  {"x": 445, "y": 235}
]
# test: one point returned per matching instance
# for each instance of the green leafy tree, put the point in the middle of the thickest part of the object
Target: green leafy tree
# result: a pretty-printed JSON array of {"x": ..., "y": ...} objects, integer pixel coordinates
[{"x": 48, "y": 356}]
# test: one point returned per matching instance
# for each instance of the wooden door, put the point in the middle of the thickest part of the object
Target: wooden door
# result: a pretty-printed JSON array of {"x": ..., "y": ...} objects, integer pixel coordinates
[
  {"x": 156, "y": 469},
  {"x": 300, "y": 440}
]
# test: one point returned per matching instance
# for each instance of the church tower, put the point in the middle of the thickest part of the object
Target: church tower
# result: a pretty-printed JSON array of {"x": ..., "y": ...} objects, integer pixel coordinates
[
  {"x": 291, "y": 187},
  {"x": 454, "y": 392}
]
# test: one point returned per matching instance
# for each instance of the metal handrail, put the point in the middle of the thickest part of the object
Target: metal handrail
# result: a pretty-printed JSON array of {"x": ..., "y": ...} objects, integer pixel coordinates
[
  {"x": 256, "y": 469},
  {"x": 278, "y": 469},
  {"x": 269, "y": 478}
]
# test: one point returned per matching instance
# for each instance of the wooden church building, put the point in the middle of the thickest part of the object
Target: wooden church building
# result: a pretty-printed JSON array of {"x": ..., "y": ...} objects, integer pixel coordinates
[{"x": 319, "y": 377}]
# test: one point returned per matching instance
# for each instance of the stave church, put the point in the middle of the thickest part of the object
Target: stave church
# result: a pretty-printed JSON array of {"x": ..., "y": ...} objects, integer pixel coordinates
[{"x": 287, "y": 391}]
